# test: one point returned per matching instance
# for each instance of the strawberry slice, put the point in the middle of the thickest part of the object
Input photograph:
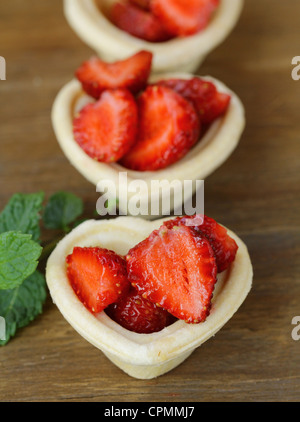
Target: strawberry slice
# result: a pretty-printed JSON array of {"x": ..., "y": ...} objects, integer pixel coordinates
[
  {"x": 177, "y": 270},
  {"x": 144, "y": 4},
  {"x": 224, "y": 247},
  {"x": 168, "y": 128},
  {"x": 96, "y": 75},
  {"x": 139, "y": 315},
  {"x": 208, "y": 102},
  {"x": 138, "y": 22},
  {"x": 97, "y": 276},
  {"x": 107, "y": 129},
  {"x": 182, "y": 17}
]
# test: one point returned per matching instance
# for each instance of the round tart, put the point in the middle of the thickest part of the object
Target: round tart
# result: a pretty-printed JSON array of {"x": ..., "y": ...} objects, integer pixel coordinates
[
  {"x": 88, "y": 19},
  {"x": 142, "y": 356},
  {"x": 211, "y": 152}
]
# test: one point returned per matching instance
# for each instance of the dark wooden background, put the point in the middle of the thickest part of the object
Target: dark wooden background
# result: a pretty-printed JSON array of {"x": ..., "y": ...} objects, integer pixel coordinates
[{"x": 256, "y": 193}]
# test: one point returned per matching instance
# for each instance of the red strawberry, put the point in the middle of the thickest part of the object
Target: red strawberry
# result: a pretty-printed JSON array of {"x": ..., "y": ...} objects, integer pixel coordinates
[
  {"x": 96, "y": 75},
  {"x": 144, "y": 4},
  {"x": 138, "y": 22},
  {"x": 97, "y": 276},
  {"x": 139, "y": 315},
  {"x": 107, "y": 129},
  {"x": 224, "y": 247},
  {"x": 168, "y": 128},
  {"x": 177, "y": 270},
  {"x": 209, "y": 103},
  {"x": 182, "y": 17}
]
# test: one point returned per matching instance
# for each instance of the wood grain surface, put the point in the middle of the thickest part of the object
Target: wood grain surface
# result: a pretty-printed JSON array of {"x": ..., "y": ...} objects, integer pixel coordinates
[{"x": 255, "y": 193}]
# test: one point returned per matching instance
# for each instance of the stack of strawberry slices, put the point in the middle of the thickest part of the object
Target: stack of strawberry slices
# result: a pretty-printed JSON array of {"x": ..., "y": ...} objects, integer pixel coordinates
[
  {"x": 170, "y": 275},
  {"x": 162, "y": 20},
  {"x": 142, "y": 126}
]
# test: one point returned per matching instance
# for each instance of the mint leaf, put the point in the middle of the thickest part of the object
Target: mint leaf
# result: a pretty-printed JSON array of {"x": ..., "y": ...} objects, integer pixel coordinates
[
  {"x": 23, "y": 304},
  {"x": 22, "y": 214},
  {"x": 62, "y": 209},
  {"x": 18, "y": 258}
]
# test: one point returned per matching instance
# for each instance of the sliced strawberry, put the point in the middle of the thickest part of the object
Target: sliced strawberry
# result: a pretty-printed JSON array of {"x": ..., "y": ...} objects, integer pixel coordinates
[
  {"x": 144, "y": 4},
  {"x": 209, "y": 103},
  {"x": 138, "y": 22},
  {"x": 168, "y": 128},
  {"x": 96, "y": 75},
  {"x": 139, "y": 315},
  {"x": 224, "y": 247},
  {"x": 182, "y": 17},
  {"x": 107, "y": 129},
  {"x": 176, "y": 270},
  {"x": 97, "y": 276}
]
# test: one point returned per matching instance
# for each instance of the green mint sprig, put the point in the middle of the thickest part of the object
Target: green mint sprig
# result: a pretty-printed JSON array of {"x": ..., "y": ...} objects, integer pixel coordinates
[
  {"x": 62, "y": 209},
  {"x": 22, "y": 305},
  {"x": 22, "y": 214},
  {"x": 22, "y": 287},
  {"x": 18, "y": 258}
]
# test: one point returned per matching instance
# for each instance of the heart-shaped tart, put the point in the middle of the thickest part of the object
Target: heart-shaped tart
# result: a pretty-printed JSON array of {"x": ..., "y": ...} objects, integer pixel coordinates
[
  {"x": 89, "y": 20},
  {"x": 142, "y": 356},
  {"x": 214, "y": 148}
]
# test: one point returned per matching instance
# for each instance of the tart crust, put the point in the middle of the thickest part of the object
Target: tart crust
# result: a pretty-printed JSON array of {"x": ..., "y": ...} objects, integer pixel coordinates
[
  {"x": 181, "y": 54},
  {"x": 211, "y": 152},
  {"x": 142, "y": 356}
]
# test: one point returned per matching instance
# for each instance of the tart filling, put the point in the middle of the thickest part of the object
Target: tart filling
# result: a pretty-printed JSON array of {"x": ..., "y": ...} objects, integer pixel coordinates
[
  {"x": 162, "y": 20},
  {"x": 145, "y": 127},
  {"x": 142, "y": 355}
]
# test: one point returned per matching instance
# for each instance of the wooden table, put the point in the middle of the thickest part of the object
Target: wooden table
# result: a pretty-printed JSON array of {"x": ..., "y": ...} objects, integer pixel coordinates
[{"x": 256, "y": 194}]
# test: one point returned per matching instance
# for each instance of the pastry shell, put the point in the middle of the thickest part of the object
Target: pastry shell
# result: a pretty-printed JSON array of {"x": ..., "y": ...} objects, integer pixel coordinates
[
  {"x": 211, "y": 152},
  {"x": 180, "y": 54},
  {"x": 139, "y": 355}
]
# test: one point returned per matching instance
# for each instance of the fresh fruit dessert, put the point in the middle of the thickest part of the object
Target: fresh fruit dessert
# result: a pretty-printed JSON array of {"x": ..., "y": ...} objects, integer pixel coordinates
[
  {"x": 148, "y": 293},
  {"x": 145, "y": 127},
  {"x": 171, "y": 273},
  {"x": 179, "y": 33},
  {"x": 162, "y": 20},
  {"x": 116, "y": 118}
]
